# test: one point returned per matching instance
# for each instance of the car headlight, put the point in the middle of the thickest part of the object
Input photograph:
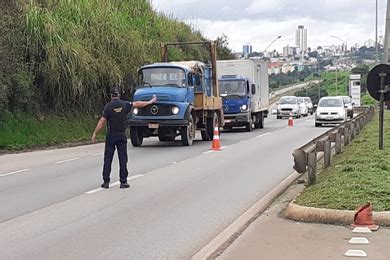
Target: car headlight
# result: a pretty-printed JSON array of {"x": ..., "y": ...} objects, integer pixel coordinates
[
  {"x": 175, "y": 110},
  {"x": 244, "y": 107},
  {"x": 135, "y": 111}
]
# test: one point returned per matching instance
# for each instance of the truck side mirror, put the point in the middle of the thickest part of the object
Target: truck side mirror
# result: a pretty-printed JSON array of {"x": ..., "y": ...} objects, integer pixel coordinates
[{"x": 253, "y": 89}]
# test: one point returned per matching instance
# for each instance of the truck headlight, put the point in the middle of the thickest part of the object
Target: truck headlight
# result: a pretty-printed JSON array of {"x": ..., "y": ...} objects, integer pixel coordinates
[
  {"x": 135, "y": 111},
  {"x": 244, "y": 107},
  {"x": 175, "y": 110}
]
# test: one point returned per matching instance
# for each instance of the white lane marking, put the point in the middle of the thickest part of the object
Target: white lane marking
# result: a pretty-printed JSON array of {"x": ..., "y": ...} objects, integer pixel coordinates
[
  {"x": 262, "y": 135},
  {"x": 14, "y": 172},
  {"x": 65, "y": 161},
  {"x": 207, "y": 152},
  {"x": 174, "y": 162},
  {"x": 115, "y": 183},
  {"x": 97, "y": 154},
  {"x": 224, "y": 147}
]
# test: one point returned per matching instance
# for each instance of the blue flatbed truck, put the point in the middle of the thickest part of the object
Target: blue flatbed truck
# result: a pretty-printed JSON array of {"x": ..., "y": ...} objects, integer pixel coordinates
[{"x": 187, "y": 99}]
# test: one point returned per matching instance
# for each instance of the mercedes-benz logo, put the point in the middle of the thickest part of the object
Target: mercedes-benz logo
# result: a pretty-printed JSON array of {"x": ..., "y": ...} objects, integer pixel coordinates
[
  {"x": 226, "y": 108},
  {"x": 154, "y": 110}
]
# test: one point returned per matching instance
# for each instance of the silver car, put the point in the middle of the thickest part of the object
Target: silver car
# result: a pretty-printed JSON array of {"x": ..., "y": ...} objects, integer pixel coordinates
[
  {"x": 348, "y": 102},
  {"x": 288, "y": 105},
  {"x": 330, "y": 110}
]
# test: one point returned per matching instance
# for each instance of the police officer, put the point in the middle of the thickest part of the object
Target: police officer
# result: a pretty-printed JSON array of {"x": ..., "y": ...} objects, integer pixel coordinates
[{"x": 115, "y": 113}]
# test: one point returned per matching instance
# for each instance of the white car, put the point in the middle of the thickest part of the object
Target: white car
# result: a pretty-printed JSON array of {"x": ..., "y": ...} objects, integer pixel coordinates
[
  {"x": 302, "y": 106},
  {"x": 288, "y": 105},
  {"x": 309, "y": 105},
  {"x": 330, "y": 110},
  {"x": 348, "y": 102}
]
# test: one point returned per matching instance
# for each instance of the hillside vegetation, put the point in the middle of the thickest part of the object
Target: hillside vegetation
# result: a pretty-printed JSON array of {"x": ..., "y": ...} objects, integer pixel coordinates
[
  {"x": 66, "y": 54},
  {"x": 58, "y": 59}
]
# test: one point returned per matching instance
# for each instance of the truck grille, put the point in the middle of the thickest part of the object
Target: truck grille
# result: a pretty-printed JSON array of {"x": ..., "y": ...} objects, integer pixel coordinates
[{"x": 156, "y": 110}]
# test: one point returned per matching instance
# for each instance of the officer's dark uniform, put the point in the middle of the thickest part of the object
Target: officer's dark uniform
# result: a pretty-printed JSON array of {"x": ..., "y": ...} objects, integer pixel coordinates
[{"x": 116, "y": 114}]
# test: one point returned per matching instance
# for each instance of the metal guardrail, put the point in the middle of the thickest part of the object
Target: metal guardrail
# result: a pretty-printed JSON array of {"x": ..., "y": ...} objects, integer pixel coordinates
[{"x": 305, "y": 157}]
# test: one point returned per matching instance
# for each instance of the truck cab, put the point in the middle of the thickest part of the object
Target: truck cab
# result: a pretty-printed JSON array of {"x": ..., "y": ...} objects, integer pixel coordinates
[{"x": 236, "y": 93}]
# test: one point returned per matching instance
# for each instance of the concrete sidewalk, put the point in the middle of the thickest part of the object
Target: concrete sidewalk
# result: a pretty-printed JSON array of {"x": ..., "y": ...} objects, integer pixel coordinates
[{"x": 273, "y": 237}]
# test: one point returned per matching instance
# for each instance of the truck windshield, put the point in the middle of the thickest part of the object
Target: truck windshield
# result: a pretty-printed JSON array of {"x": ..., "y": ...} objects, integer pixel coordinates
[
  {"x": 231, "y": 88},
  {"x": 159, "y": 77}
]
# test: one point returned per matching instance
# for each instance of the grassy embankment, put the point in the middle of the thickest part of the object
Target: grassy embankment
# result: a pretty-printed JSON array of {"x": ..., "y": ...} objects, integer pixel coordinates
[
  {"x": 68, "y": 54},
  {"x": 360, "y": 174}
]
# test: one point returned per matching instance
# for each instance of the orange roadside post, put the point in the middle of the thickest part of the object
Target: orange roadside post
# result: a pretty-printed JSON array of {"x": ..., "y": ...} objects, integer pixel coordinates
[{"x": 363, "y": 218}]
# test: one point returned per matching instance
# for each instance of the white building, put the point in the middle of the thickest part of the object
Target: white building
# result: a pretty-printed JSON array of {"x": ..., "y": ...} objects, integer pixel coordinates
[{"x": 301, "y": 38}]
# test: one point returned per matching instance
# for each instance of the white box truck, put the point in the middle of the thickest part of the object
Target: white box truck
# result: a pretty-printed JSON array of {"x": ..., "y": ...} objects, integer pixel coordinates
[{"x": 244, "y": 90}]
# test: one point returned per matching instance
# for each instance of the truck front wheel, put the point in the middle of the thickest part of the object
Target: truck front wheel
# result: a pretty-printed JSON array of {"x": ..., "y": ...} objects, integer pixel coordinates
[
  {"x": 136, "y": 136},
  {"x": 188, "y": 132},
  {"x": 260, "y": 121}
]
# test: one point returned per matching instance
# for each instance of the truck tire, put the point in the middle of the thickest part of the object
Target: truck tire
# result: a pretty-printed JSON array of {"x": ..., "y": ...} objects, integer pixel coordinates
[
  {"x": 188, "y": 132},
  {"x": 211, "y": 123},
  {"x": 136, "y": 136},
  {"x": 260, "y": 123},
  {"x": 249, "y": 126}
]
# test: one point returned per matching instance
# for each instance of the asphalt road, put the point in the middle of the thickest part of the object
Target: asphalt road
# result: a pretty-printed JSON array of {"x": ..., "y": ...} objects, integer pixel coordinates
[{"x": 180, "y": 197}]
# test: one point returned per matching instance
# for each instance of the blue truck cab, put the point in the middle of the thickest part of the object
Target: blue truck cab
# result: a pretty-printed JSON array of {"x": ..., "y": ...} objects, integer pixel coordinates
[{"x": 236, "y": 98}]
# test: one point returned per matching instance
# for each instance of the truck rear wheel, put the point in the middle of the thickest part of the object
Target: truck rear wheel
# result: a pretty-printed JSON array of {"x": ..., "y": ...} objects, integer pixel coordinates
[
  {"x": 249, "y": 126},
  {"x": 211, "y": 123},
  {"x": 260, "y": 121},
  {"x": 188, "y": 132},
  {"x": 136, "y": 136}
]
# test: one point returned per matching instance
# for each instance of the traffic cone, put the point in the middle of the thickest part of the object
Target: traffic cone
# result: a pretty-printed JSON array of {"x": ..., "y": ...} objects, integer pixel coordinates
[
  {"x": 363, "y": 218},
  {"x": 216, "y": 145},
  {"x": 290, "y": 120}
]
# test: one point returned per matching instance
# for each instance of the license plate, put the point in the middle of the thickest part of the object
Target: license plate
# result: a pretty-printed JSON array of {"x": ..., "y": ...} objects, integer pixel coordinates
[
  {"x": 329, "y": 117},
  {"x": 228, "y": 121},
  {"x": 153, "y": 126}
]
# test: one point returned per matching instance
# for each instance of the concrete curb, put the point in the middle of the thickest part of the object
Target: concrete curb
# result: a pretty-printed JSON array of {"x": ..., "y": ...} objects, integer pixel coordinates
[
  {"x": 228, "y": 235},
  {"x": 330, "y": 216}
]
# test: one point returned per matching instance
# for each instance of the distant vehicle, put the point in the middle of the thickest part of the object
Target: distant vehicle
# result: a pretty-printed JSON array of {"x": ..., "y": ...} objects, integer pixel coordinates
[
  {"x": 302, "y": 106},
  {"x": 244, "y": 90},
  {"x": 330, "y": 110},
  {"x": 288, "y": 105},
  {"x": 309, "y": 105},
  {"x": 348, "y": 102}
]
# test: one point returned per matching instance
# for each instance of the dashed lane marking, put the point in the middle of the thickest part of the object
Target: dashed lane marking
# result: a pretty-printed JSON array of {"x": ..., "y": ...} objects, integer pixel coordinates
[
  {"x": 65, "y": 161},
  {"x": 262, "y": 135},
  {"x": 207, "y": 152},
  {"x": 14, "y": 172},
  {"x": 361, "y": 230},
  {"x": 97, "y": 154}
]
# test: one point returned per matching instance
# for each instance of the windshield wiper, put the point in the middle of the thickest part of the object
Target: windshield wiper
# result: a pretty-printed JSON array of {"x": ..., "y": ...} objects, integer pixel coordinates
[{"x": 172, "y": 85}]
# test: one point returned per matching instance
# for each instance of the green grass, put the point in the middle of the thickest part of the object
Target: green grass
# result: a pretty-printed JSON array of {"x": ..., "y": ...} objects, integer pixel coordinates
[
  {"x": 360, "y": 174},
  {"x": 329, "y": 82},
  {"x": 18, "y": 132}
]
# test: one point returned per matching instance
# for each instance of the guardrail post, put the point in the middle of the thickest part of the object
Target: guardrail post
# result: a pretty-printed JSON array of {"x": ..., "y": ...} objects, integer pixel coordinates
[
  {"x": 357, "y": 126},
  {"x": 353, "y": 130},
  {"x": 338, "y": 143},
  {"x": 312, "y": 168},
  {"x": 327, "y": 154},
  {"x": 346, "y": 136}
]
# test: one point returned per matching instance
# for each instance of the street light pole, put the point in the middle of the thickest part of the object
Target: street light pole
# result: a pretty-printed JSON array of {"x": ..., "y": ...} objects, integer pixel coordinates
[
  {"x": 386, "y": 47},
  {"x": 376, "y": 30},
  {"x": 274, "y": 40}
]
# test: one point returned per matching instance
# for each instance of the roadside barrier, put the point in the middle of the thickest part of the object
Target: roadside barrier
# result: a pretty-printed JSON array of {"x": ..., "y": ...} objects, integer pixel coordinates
[{"x": 305, "y": 158}]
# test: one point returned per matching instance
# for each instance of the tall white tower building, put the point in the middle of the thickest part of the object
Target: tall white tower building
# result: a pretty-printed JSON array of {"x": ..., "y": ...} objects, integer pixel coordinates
[{"x": 301, "y": 38}]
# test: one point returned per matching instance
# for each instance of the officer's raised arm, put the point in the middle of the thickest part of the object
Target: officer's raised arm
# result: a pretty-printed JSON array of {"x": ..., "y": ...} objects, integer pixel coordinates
[{"x": 145, "y": 103}]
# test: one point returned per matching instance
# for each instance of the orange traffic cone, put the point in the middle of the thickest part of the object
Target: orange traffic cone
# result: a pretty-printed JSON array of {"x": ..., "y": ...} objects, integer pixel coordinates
[
  {"x": 363, "y": 218},
  {"x": 290, "y": 120},
  {"x": 216, "y": 146}
]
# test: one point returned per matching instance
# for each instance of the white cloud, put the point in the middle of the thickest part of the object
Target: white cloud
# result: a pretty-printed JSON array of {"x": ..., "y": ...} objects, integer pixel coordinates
[{"x": 259, "y": 21}]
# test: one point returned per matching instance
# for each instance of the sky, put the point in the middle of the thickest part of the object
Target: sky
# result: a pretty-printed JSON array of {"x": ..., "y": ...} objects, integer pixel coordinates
[{"x": 259, "y": 22}]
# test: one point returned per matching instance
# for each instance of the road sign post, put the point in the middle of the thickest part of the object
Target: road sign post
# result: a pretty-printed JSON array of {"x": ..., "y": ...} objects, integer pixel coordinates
[{"x": 378, "y": 85}]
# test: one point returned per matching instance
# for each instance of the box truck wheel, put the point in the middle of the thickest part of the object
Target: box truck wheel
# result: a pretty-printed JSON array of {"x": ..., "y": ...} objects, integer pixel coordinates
[
  {"x": 249, "y": 126},
  {"x": 136, "y": 136},
  {"x": 188, "y": 132},
  {"x": 211, "y": 123},
  {"x": 260, "y": 120}
]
